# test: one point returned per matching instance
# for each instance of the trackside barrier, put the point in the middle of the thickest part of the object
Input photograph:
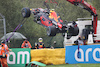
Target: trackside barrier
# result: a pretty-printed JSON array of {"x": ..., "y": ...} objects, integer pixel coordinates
[
  {"x": 49, "y": 56},
  {"x": 19, "y": 57},
  {"x": 87, "y": 54}
]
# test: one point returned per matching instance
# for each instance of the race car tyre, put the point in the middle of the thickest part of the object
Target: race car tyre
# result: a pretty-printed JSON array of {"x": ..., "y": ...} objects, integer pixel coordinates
[
  {"x": 76, "y": 31},
  {"x": 73, "y": 31},
  {"x": 26, "y": 12},
  {"x": 51, "y": 31}
]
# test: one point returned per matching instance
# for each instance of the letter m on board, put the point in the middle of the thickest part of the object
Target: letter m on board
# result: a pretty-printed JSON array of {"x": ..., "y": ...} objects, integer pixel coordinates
[{"x": 23, "y": 58}]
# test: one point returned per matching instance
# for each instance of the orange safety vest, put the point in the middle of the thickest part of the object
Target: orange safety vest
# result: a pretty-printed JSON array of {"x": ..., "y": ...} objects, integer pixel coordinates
[
  {"x": 4, "y": 50},
  {"x": 26, "y": 45}
]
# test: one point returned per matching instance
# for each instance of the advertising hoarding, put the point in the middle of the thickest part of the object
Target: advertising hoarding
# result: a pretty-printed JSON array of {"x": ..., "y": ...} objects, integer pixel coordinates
[
  {"x": 19, "y": 57},
  {"x": 87, "y": 54}
]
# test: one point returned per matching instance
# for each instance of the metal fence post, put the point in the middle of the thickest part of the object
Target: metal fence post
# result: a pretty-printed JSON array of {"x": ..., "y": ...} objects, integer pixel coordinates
[{"x": 4, "y": 23}]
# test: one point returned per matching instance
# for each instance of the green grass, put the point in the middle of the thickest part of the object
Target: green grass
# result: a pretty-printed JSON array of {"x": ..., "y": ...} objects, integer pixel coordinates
[{"x": 75, "y": 65}]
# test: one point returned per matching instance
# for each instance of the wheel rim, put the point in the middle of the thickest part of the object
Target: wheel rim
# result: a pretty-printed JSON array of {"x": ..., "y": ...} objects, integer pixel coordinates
[{"x": 23, "y": 13}]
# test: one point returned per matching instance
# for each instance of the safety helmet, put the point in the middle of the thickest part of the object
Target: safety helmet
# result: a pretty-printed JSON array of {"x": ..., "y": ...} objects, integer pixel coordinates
[
  {"x": 51, "y": 10},
  {"x": 40, "y": 40},
  {"x": 3, "y": 42}
]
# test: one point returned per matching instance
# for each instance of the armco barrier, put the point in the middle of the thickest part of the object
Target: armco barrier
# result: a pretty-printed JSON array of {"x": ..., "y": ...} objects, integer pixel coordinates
[
  {"x": 87, "y": 54},
  {"x": 18, "y": 57},
  {"x": 49, "y": 56}
]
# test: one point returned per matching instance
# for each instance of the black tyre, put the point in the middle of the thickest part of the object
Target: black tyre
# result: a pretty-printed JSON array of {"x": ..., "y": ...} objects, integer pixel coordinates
[
  {"x": 26, "y": 12},
  {"x": 73, "y": 31},
  {"x": 76, "y": 31},
  {"x": 51, "y": 31}
]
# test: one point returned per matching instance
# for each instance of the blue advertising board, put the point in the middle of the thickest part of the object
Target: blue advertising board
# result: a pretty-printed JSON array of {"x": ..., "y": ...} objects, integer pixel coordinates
[{"x": 87, "y": 54}]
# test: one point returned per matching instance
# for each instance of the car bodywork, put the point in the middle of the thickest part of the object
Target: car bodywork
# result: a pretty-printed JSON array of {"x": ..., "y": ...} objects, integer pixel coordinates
[{"x": 51, "y": 21}]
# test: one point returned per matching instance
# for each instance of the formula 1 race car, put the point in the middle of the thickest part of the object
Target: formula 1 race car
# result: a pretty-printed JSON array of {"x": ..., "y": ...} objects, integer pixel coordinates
[{"x": 51, "y": 21}]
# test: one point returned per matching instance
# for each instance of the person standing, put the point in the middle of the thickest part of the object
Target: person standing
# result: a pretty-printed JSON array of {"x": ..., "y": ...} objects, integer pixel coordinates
[
  {"x": 26, "y": 44},
  {"x": 4, "y": 50},
  {"x": 40, "y": 44},
  {"x": 80, "y": 41}
]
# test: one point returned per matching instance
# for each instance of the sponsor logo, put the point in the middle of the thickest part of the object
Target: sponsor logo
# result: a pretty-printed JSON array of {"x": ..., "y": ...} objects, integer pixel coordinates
[
  {"x": 84, "y": 56},
  {"x": 19, "y": 58}
]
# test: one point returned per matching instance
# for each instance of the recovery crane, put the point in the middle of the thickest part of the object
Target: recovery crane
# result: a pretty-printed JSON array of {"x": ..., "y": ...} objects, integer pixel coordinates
[{"x": 83, "y": 4}]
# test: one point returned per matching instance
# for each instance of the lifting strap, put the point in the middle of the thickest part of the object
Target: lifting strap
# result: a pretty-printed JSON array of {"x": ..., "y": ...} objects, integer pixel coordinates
[{"x": 17, "y": 28}]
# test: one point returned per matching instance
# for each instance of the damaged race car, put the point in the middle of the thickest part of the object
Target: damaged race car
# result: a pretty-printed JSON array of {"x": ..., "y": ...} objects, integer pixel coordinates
[{"x": 51, "y": 21}]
